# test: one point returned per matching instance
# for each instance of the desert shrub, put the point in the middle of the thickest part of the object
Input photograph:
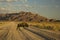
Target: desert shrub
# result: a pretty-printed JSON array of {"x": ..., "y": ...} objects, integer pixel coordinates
[
  {"x": 41, "y": 20},
  {"x": 50, "y": 20},
  {"x": 49, "y": 27},
  {"x": 30, "y": 19},
  {"x": 44, "y": 27},
  {"x": 23, "y": 24},
  {"x": 38, "y": 26},
  {"x": 59, "y": 30},
  {"x": 0, "y": 23}
]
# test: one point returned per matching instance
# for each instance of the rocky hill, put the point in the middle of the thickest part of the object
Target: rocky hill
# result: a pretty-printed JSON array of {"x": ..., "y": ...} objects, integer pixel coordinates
[{"x": 22, "y": 16}]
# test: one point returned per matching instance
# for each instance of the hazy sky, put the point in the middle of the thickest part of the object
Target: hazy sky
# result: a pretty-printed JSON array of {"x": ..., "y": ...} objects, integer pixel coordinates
[{"x": 47, "y": 8}]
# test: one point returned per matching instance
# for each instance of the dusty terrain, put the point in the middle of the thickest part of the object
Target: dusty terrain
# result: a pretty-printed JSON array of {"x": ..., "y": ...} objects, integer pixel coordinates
[{"x": 9, "y": 31}]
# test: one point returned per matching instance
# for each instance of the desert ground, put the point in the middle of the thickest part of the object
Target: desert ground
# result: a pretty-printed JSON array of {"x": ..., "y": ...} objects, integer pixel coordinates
[{"x": 9, "y": 31}]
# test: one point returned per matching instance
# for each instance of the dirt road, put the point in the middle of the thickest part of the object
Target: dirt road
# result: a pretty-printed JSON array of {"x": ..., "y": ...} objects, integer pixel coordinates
[{"x": 10, "y": 32}]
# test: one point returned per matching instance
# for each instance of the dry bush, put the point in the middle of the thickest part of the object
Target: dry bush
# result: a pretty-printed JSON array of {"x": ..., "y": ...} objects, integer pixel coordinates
[
  {"x": 23, "y": 24},
  {"x": 49, "y": 26},
  {"x": 45, "y": 27},
  {"x": 38, "y": 26}
]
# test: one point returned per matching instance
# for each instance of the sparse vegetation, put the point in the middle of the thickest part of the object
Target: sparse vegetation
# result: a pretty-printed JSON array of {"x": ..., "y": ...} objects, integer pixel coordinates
[
  {"x": 48, "y": 26},
  {"x": 55, "y": 26}
]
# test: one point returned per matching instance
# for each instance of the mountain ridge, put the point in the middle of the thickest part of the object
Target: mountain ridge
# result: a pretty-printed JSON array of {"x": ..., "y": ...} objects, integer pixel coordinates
[{"x": 23, "y": 16}]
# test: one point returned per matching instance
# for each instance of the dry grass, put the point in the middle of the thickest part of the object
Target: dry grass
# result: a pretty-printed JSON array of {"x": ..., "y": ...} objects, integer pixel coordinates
[
  {"x": 43, "y": 25},
  {"x": 55, "y": 26},
  {"x": 49, "y": 25}
]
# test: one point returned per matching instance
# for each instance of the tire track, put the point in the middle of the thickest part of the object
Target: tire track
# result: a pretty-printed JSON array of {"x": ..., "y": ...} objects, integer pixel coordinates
[
  {"x": 4, "y": 34},
  {"x": 51, "y": 34},
  {"x": 32, "y": 35},
  {"x": 40, "y": 34},
  {"x": 26, "y": 36}
]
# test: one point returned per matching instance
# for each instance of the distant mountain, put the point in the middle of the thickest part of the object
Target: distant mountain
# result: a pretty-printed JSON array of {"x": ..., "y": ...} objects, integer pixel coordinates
[{"x": 23, "y": 16}]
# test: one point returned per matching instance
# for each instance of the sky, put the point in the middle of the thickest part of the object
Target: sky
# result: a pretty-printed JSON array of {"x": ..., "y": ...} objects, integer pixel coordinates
[{"x": 46, "y": 8}]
